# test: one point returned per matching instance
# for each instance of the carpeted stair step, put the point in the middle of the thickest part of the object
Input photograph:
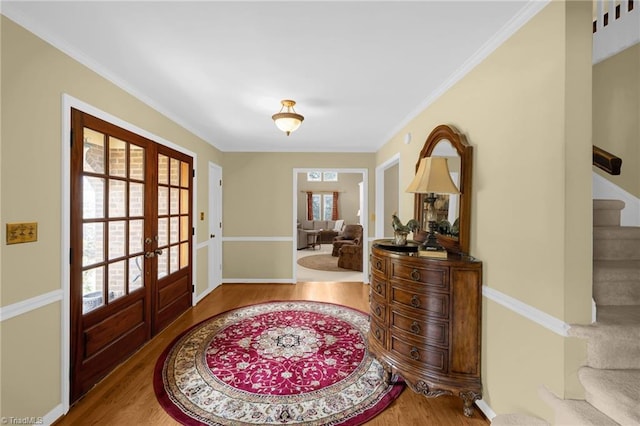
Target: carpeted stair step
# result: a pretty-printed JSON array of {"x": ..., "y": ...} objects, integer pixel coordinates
[
  {"x": 517, "y": 419},
  {"x": 616, "y": 243},
  {"x": 610, "y": 346},
  {"x": 574, "y": 412},
  {"x": 616, "y": 282},
  {"x": 607, "y": 212},
  {"x": 616, "y": 393},
  {"x": 614, "y": 339}
]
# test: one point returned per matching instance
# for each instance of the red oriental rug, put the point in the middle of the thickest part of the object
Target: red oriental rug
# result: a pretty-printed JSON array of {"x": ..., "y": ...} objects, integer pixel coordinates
[{"x": 284, "y": 363}]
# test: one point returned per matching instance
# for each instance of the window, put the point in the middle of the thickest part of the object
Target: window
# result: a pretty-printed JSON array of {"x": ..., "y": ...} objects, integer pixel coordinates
[
  {"x": 322, "y": 206},
  {"x": 317, "y": 176},
  {"x": 314, "y": 177},
  {"x": 330, "y": 176}
]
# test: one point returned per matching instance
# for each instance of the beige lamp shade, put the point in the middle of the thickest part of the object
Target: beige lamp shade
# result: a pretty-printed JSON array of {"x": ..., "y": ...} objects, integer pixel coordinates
[{"x": 433, "y": 177}]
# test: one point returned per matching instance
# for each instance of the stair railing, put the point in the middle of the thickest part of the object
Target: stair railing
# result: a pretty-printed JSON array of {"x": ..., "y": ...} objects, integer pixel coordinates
[
  {"x": 608, "y": 11},
  {"x": 606, "y": 161},
  {"x": 615, "y": 27}
]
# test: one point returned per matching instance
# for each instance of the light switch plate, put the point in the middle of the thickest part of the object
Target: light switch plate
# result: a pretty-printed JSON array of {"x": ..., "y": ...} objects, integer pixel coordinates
[{"x": 24, "y": 232}]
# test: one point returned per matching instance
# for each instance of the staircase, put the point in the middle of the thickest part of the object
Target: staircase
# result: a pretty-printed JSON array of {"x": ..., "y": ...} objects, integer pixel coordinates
[{"x": 611, "y": 377}]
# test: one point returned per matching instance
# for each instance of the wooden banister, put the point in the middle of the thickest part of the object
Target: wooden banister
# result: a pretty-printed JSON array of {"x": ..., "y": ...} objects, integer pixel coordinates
[{"x": 606, "y": 161}]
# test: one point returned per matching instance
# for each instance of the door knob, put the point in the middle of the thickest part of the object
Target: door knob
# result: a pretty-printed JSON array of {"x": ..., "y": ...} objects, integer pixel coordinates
[{"x": 149, "y": 254}]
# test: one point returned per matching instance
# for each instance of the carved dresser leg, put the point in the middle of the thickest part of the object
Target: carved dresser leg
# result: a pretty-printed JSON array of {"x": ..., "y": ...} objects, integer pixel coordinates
[{"x": 469, "y": 398}]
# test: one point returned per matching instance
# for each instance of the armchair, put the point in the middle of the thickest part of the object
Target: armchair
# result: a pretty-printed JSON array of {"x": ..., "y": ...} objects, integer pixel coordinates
[
  {"x": 350, "y": 257},
  {"x": 352, "y": 234}
]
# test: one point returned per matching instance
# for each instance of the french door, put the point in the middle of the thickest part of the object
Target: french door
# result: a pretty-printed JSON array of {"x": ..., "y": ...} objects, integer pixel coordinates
[{"x": 131, "y": 244}]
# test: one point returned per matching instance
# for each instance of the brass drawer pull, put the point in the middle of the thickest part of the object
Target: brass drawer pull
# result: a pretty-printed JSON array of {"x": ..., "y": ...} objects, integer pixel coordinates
[
  {"x": 377, "y": 333},
  {"x": 415, "y": 354},
  {"x": 378, "y": 288},
  {"x": 415, "y": 275},
  {"x": 378, "y": 265},
  {"x": 378, "y": 311},
  {"x": 415, "y": 328},
  {"x": 415, "y": 301}
]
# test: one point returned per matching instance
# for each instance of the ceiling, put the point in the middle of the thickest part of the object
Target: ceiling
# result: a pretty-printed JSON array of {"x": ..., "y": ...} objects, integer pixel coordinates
[{"x": 358, "y": 70}]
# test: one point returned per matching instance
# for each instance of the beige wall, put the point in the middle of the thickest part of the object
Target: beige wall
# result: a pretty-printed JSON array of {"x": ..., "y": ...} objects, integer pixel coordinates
[
  {"x": 258, "y": 202},
  {"x": 526, "y": 110},
  {"x": 616, "y": 114},
  {"x": 34, "y": 78}
]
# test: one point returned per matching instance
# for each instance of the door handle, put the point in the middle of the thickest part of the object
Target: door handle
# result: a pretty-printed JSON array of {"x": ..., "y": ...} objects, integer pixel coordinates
[
  {"x": 154, "y": 253},
  {"x": 212, "y": 235}
]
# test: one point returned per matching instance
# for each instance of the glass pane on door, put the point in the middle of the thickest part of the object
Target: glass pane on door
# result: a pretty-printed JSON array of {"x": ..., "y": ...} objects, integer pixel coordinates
[
  {"x": 174, "y": 211},
  {"x": 112, "y": 219}
]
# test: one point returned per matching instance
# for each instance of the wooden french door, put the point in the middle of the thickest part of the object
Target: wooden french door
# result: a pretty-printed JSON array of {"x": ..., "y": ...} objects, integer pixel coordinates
[{"x": 131, "y": 244}]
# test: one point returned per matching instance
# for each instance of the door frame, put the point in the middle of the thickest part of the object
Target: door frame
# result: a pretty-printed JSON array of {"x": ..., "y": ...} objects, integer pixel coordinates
[
  {"x": 380, "y": 192},
  {"x": 364, "y": 213},
  {"x": 214, "y": 245},
  {"x": 69, "y": 102}
]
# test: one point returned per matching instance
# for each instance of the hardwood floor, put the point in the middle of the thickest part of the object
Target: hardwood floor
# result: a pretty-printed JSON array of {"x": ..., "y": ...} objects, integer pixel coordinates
[{"x": 126, "y": 396}]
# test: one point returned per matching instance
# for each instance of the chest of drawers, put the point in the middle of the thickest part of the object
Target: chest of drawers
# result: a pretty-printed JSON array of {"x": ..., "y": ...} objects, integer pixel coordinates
[{"x": 426, "y": 322}]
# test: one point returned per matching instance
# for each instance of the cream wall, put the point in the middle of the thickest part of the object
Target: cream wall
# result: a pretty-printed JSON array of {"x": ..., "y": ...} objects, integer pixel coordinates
[
  {"x": 258, "y": 208},
  {"x": 526, "y": 109},
  {"x": 616, "y": 115},
  {"x": 34, "y": 77}
]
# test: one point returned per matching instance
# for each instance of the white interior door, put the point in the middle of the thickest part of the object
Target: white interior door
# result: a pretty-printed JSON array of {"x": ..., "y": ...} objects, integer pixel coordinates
[{"x": 215, "y": 226}]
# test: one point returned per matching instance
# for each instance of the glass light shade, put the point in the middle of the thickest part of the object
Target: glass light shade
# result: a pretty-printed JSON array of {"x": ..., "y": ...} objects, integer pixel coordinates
[
  {"x": 287, "y": 119},
  {"x": 433, "y": 177}
]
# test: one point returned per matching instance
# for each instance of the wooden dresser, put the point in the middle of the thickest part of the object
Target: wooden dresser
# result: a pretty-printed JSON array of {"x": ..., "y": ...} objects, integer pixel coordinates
[{"x": 426, "y": 322}]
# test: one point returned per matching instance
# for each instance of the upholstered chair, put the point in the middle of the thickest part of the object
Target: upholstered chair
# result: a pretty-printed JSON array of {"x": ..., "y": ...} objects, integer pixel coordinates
[
  {"x": 352, "y": 234},
  {"x": 350, "y": 257}
]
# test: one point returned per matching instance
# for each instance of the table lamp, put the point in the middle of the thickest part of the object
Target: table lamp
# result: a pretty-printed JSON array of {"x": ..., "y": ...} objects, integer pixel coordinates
[{"x": 432, "y": 178}]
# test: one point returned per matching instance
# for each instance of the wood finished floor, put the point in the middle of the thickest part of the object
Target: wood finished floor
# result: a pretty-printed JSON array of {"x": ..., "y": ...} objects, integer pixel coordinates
[{"x": 126, "y": 396}]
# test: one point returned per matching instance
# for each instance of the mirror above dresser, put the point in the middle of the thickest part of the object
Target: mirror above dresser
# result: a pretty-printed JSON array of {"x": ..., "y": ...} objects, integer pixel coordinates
[{"x": 454, "y": 211}]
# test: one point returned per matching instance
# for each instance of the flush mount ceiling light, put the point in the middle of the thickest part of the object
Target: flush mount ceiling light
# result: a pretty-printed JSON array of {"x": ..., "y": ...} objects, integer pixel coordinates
[{"x": 287, "y": 119}]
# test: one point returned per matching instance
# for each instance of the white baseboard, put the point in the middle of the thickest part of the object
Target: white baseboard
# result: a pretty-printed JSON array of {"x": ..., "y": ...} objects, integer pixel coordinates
[
  {"x": 607, "y": 190},
  {"x": 486, "y": 410},
  {"x": 53, "y": 415}
]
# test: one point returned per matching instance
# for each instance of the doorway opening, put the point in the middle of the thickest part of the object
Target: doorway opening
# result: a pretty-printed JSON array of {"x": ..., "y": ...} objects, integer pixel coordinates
[{"x": 351, "y": 188}]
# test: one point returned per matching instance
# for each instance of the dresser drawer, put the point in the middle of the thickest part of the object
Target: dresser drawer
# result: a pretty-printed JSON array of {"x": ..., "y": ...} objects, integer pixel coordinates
[
  {"x": 423, "y": 356},
  {"x": 432, "y": 276},
  {"x": 378, "y": 265},
  {"x": 412, "y": 296},
  {"x": 433, "y": 332},
  {"x": 378, "y": 308},
  {"x": 379, "y": 286},
  {"x": 378, "y": 333}
]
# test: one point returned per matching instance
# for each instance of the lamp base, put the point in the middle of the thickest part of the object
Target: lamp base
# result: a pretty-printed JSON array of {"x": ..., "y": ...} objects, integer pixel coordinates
[{"x": 431, "y": 243}]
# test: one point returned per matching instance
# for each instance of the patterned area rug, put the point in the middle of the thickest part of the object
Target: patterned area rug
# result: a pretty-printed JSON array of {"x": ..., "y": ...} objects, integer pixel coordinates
[
  {"x": 284, "y": 363},
  {"x": 322, "y": 262}
]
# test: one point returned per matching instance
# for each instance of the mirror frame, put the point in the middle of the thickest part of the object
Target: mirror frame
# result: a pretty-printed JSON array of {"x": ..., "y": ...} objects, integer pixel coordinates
[{"x": 465, "y": 151}]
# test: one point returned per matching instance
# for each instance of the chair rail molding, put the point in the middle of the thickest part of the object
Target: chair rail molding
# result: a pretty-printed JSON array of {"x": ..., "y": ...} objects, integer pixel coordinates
[
  {"x": 31, "y": 304},
  {"x": 534, "y": 314}
]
